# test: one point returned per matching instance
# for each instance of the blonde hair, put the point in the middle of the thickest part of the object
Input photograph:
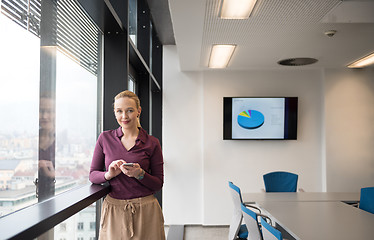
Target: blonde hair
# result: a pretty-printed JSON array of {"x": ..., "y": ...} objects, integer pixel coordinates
[{"x": 130, "y": 95}]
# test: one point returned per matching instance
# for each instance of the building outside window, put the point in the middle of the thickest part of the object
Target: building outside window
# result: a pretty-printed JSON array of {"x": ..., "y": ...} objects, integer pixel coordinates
[
  {"x": 63, "y": 227},
  {"x": 51, "y": 70},
  {"x": 48, "y": 99},
  {"x": 92, "y": 225},
  {"x": 80, "y": 226}
]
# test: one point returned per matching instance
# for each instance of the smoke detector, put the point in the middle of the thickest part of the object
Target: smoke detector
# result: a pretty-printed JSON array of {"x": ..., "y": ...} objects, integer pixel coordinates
[{"x": 330, "y": 33}]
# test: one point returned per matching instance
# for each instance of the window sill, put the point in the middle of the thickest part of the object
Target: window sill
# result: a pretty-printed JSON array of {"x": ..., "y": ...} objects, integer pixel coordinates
[{"x": 33, "y": 221}]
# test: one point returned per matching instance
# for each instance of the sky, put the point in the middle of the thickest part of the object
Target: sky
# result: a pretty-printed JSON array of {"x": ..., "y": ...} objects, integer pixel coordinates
[{"x": 19, "y": 81}]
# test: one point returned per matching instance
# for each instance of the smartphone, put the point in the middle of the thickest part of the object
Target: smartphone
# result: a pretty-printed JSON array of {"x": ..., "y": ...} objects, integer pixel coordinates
[{"x": 128, "y": 164}]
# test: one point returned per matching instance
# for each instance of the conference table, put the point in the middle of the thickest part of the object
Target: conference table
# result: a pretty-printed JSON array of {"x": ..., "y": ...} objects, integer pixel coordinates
[{"x": 311, "y": 216}]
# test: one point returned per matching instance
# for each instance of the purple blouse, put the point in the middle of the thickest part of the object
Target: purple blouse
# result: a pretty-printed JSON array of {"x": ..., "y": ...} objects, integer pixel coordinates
[{"x": 146, "y": 151}]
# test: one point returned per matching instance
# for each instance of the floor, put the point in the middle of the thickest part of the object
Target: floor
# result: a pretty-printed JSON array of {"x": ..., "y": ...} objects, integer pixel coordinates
[{"x": 197, "y": 232}]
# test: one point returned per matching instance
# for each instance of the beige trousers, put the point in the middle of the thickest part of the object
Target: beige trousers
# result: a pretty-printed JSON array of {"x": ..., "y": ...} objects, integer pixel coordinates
[{"x": 135, "y": 219}]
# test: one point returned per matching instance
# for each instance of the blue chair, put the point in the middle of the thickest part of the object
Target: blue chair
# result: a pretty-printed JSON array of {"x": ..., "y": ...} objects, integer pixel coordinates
[
  {"x": 250, "y": 219},
  {"x": 280, "y": 182},
  {"x": 237, "y": 229},
  {"x": 367, "y": 199},
  {"x": 269, "y": 232}
]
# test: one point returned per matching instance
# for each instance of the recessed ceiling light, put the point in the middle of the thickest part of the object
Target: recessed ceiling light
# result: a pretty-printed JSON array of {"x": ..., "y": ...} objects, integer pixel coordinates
[
  {"x": 297, "y": 61},
  {"x": 236, "y": 9},
  {"x": 220, "y": 55},
  {"x": 363, "y": 62}
]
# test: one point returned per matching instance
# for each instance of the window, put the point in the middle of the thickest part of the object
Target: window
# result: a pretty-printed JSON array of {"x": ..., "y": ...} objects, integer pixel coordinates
[
  {"x": 133, "y": 8},
  {"x": 50, "y": 58},
  {"x": 92, "y": 225},
  {"x": 131, "y": 84},
  {"x": 80, "y": 226},
  {"x": 63, "y": 227}
]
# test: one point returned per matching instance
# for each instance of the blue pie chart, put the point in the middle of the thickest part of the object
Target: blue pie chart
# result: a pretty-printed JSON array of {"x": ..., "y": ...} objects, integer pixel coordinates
[{"x": 251, "y": 119}]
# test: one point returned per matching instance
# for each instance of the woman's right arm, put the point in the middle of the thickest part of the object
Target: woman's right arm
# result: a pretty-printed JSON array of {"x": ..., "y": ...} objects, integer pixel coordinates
[{"x": 97, "y": 170}]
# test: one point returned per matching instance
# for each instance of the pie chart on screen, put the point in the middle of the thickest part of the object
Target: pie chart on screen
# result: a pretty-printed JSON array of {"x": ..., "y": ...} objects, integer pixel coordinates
[{"x": 251, "y": 119}]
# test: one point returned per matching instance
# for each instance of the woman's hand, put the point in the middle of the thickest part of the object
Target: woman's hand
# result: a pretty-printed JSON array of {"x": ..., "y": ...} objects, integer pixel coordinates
[
  {"x": 114, "y": 169},
  {"x": 132, "y": 171},
  {"x": 47, "y": 168}
]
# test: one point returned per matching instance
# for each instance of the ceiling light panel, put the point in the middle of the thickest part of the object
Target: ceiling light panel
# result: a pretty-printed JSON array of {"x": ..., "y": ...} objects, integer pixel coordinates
[
  {"x": 220, "y": 55},
  {"x": 363, "y": 62},
  {"x": 236, "y": 9}
]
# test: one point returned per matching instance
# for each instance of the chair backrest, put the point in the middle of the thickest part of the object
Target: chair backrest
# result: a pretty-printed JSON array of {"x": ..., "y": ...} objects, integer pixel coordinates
[
  {"x": 280, "y": 182},
  {"x": 250, "y": 219},
  {"x": 367, "y": 199},
  {"x": 236, "y": 196},
  {"x": 269, "y": 232},
  {"x": 236, "y": 221}
]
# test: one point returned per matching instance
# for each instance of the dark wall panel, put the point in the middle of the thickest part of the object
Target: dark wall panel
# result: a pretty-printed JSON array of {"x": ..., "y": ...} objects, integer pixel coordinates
[{"x": 115, "y": 74}]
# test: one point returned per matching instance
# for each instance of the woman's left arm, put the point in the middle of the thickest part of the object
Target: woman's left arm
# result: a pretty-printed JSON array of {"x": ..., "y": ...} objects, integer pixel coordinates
[{"x": 155, "y": 178}]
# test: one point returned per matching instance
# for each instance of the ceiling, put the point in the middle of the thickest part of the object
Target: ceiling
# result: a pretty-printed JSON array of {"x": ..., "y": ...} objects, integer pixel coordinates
[
  {"x": 161, "y": 19},
  {"x": 276, "y": 30}
]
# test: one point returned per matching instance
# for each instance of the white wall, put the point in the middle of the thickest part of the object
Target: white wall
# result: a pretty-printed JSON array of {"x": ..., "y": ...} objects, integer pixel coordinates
[
  {"x": 349, "y": 129},
  {"x": 244, "y": 162},
  {"x": 182, "y": 142},
  {"x": 198, "y": 163}
]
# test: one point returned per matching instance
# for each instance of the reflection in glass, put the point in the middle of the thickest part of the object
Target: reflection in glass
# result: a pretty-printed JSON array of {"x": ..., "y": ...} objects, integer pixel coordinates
[
  {"x": 132, "y": 20},
  {"x": 48, "y": 97},
  {"x": 46, "y": 164}
]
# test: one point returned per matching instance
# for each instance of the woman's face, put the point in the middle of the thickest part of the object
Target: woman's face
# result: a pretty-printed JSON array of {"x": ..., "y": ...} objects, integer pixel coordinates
[
  {"x": 47, "y": 114},
  {"x": 126, "y": 112}
]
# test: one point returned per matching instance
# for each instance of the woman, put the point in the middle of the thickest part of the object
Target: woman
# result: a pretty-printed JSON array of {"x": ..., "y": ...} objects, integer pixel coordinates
[
  {"x": 130, "y": 211},
  {"x": 46, "y": 164}
]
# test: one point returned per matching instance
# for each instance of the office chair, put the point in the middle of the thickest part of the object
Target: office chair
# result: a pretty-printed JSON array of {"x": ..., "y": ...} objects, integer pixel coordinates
[
  {"x": 269, "y": 232},
  {"x": 367, "y": 199},
  {"x": 280, "y": 182},
  {"x": 237, "y": 229},
  {"x": 250, "y": 219}
]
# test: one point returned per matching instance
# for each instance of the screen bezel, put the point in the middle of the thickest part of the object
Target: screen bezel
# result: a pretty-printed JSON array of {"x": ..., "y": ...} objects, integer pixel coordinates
[{"x": 290, "y": 123}]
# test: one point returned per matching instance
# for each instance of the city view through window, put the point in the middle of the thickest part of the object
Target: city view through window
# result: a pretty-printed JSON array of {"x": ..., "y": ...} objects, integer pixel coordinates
[{"x": 24, "y": 113}]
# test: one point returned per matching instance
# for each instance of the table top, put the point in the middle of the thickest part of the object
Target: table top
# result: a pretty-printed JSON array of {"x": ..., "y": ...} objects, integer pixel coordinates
[
  {"x": 301, "y": 197},
  {"x": 321, "y": 220}
]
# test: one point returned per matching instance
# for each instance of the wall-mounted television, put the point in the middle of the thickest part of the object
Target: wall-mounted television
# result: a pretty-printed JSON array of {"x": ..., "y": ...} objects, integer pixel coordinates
[{"x": 260, "y": 118}]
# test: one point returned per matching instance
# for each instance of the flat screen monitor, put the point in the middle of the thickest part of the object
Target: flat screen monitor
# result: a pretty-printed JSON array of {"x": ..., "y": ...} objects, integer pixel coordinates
[{"x": 260, "y": 118}]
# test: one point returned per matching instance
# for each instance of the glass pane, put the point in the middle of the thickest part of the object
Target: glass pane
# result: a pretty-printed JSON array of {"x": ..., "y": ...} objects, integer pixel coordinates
[
  {"x": 132, "y": 20},
  {"x": 79, "y": 226},
  {"x": 49, "y": 100},
  {"x": 76, "y": 111},
  {"x": 19, "y": 106},
  {"x": 131, "y": 84},
  {"x": 151, "y": 46}
]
